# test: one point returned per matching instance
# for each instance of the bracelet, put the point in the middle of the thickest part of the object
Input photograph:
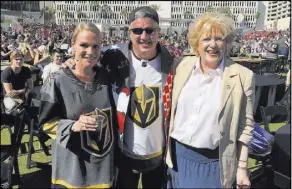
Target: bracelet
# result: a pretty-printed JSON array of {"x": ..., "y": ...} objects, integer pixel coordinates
[
  {"x": 242, "y": 160},
  {"x": 243, "y": 168}
]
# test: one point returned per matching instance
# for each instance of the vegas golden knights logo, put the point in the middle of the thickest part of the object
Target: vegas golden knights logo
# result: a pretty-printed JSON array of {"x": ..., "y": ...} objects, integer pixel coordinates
[
  {"x": 99, "y": 142},
  {"x": 144, "y": 105}
]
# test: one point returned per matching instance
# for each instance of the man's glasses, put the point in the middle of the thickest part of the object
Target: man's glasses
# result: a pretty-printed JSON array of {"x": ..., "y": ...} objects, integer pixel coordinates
[{"x": 139, "y": 31}]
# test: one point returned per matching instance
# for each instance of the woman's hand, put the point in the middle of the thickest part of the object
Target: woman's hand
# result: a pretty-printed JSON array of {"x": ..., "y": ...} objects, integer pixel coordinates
[
  {"x": 36, "y": 51},
  {"x": 85, "y": 123},
  {"x": 69, "y": 63},
  {"x": 242, "y": 179}
]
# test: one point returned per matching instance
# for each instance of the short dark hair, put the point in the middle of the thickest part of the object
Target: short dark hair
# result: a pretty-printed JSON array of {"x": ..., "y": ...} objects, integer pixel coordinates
[{"x": 57, "y": 50}]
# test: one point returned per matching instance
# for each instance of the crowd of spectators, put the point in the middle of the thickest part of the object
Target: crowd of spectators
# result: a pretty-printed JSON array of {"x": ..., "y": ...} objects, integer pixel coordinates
[
  {"x": 37, "y": 42},
  {"x": 271, "y": 43}
]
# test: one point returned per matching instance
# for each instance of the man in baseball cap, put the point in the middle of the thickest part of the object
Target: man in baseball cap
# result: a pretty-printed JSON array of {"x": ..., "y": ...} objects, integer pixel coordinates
[
  {"x": 142, "y": 144},
  {"x": 144, "y": 12}
]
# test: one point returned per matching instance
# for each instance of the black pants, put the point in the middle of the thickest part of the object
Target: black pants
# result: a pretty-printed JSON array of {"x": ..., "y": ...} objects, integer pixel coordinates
[{"x": 150, "y": 179}]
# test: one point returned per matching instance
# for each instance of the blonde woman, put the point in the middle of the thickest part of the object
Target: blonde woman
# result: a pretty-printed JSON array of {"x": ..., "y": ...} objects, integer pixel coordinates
[
  {"x": 76, "y": 112},
  {"x": 27, "y": 51},
  {"x": 211, "y": 122}
]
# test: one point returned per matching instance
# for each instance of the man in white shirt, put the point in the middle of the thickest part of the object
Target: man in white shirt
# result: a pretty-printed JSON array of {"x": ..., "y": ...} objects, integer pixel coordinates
[{"x": 58, "y": 55}]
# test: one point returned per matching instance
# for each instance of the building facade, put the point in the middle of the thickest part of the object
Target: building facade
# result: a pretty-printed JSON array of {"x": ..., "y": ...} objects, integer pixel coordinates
[
  {"x": 29, "y": 6},
  {"x": 20, "y": 11},
  {"x": 278, "y": 15},
  {"x": 173, "y": 14}
]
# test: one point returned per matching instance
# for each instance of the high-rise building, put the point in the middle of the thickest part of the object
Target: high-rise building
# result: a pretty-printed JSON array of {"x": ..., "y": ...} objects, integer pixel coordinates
[
  {"x": 22, "y": 11},
  {"x": 29, "y": 6},
  {"x": 177, "y": 14},
  {"x": 278, "y": 15}
]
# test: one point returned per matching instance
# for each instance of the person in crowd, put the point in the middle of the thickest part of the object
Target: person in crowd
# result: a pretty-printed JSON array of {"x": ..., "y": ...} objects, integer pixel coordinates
[
  {"x": 141, "y": 73},
  {"x": 282, "y": 45},
  {"x": 5, "y": 52},
  {"x": 42, "y": 55},
  {"x": 16, "y": 79},
  {"x": 26, "y": 49},
  {"x": 53, "y": 67},
  {"x": 76, "y": 111},
  {"x": 243, "y": 51},
  {"x": 13, "y": 45},
  {"x": 272, "y": 51},
  {"x": 211, "y": 122},
  {"x": 235, "y": 49},
  {"x": 260, "y": 48}
]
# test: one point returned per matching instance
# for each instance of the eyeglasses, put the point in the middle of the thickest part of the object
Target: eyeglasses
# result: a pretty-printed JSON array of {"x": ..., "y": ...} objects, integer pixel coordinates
[{"x": 139, "y": 31}]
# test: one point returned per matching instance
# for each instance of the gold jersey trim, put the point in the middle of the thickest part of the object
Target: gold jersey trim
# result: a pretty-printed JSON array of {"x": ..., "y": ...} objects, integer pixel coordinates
[
  {"x": 51, "y": 127},
  {"x": 64, "y": 183},
  {"x": 144, "y": 157}
]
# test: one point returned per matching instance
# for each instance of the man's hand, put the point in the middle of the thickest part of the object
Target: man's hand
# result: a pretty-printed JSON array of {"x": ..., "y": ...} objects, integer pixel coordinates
[
  {"x": 11, "y": 94},
  {"x": 69, "y": 63}
]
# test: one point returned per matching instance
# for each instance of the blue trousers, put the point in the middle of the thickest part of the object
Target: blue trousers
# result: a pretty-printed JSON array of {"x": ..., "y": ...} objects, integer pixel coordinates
[{"x": 193, "y": 168}]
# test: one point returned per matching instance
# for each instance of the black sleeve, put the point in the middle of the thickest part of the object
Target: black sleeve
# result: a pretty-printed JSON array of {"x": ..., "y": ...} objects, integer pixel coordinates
[
  {"x": 27, "y": 73},
  {"x": 117, "y": 65},
  {"x": 6, "y": 75}
]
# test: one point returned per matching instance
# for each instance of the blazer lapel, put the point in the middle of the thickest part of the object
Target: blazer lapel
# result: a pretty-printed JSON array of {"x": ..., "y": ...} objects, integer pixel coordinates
[
  {"x": 181, "y": 77},
  {"x": 228, "y": 83}
]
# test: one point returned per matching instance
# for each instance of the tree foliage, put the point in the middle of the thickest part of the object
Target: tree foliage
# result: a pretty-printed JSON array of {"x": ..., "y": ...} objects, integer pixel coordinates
[
  {"x": 156, "y": 7},
  {"x": 225, "y": 10}
]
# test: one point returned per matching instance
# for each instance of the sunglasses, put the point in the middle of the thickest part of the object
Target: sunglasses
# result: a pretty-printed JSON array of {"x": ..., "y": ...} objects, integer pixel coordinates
[{"x": 139, "y": 31}]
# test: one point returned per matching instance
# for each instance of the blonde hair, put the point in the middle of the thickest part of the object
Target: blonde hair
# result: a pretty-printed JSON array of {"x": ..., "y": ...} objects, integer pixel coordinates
[
  {"x": 15, "y": 54},
  {"x": 205, "y": 23},
  {"x": 87, "y": 27},
  {"x": 22, "y": 48}
]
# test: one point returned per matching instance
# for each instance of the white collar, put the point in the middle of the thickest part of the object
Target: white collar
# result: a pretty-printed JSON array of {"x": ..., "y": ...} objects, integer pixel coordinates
[{"x": 217, "y": 71}]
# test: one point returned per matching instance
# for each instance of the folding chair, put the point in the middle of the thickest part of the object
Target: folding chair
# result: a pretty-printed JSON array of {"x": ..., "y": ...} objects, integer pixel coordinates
[
  {"x": 10, "y": 152},
  {"x": 267, "y": 114},
  {"x": 32, "y": 113},
  {"x": 285, "y": 101}
]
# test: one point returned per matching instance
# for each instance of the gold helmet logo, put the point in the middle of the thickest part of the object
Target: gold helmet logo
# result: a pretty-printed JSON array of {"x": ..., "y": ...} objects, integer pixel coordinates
[
  {"x": 144, "y": 105},
  {"x": 99, "y": 143}
]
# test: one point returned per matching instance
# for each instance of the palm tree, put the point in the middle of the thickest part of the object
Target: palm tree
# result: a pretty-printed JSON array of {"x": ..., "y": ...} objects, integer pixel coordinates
[
  {"x": 156, "y": 7},
  {"x": 188, "y": 15},
  {"x": 79, "y": 13},
  {"x": 65, "y": 13},
  {"x": 71, "y": 16},
  {"x": 209, "y": 8},
  {"x": 258, "y": 14},
  {"x": 124, "y": 12},
  {"x": 105, "y": 11},
  {"x": 21, "y": 9},
  {"x": 42, "y": 11},
  {"x": 50, "y": 11},
  {"x": 95, "y": 6},
  {"x": 226, "y": 11}
]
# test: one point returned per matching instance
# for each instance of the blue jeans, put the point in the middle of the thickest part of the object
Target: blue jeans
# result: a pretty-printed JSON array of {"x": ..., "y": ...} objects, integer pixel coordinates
[{"x": 283, "y": 51}]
